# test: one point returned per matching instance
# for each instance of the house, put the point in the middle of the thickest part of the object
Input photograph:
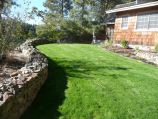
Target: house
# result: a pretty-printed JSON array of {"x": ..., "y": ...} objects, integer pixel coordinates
[
  {"x": 110, "y": 22},
  {"x": 136, "y": 22}
]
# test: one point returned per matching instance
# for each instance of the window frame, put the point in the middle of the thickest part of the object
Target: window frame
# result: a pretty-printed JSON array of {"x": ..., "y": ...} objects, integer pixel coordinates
[
  {"x": 148, "y": 28},
  {"x": 150, "y": 21},
  {"x": 125, "y": 16}
]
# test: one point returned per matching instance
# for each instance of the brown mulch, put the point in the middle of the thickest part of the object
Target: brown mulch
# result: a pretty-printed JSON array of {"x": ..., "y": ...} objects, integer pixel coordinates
[{"x": 123, "y": 51}]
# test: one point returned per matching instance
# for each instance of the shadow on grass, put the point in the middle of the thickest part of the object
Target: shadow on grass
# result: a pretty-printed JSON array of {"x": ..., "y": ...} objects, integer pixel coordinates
[
  {"x": 52, "y": 94},
  {"x": 88, "y": 69},
  {"x": 50, "y": 97}
]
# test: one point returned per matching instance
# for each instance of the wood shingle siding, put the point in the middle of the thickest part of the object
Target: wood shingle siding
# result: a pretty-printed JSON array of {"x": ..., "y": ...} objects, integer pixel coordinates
[{"x": 131, "y": 33}]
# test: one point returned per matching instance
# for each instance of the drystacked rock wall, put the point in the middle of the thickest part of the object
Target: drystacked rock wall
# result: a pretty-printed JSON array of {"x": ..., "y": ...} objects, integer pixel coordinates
[
  {"x": 18, "y": 90},
  {"x": 149, "y": 56}
]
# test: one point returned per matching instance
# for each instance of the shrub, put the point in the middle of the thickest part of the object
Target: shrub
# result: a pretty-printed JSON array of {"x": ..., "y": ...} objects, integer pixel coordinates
[
  {"x": 74, "y": 32},
  {"x": 108, "y": 43},
  {"x": 124, "y": 44},
  {"x": 156, "y": 48},
  {"x": 137, "y": 49},
  {"x": 69, "y": 32}
]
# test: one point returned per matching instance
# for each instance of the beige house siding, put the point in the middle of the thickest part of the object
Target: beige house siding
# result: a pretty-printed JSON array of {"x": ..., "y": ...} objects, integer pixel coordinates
[{"x": 131, "y": 34}]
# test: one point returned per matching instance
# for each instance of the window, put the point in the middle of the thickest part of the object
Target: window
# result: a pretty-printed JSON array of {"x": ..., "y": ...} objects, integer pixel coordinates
[
  {"x": 147, "y": 21},
  {"x": 142, "y": 21},
  {"x": 124, "y": 24},
  {"x": 153, "y": 20}
]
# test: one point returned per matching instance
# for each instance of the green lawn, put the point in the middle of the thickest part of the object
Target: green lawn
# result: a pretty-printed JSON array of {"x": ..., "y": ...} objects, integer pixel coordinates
[{"x": 87, "y": 82}]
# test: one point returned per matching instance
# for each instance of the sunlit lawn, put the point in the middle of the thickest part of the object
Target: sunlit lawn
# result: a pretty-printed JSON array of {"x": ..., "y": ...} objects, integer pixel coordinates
[{"x": 87, "y": 82}]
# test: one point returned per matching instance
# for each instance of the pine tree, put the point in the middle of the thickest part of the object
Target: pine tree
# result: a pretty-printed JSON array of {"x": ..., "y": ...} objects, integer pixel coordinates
[{"x": 5, "y": 33}]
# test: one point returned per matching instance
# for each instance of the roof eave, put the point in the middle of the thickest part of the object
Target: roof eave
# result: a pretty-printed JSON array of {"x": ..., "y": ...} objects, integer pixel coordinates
[
  {"x": 139, "y": 6},
  {"x": 110, "y": 23}
]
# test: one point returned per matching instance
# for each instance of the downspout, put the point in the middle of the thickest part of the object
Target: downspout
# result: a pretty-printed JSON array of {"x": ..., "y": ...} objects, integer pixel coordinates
[{"x": 136, "y": 1}]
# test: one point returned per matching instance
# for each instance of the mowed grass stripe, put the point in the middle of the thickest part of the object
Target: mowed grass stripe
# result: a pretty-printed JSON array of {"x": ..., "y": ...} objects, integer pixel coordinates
[{"x": 100, "y": 84}]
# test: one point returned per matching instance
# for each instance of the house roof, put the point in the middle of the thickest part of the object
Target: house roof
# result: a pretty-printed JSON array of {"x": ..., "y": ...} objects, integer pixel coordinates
[
  {"x": 132, "y": 6},
  {"x": 110, "y": 19}
]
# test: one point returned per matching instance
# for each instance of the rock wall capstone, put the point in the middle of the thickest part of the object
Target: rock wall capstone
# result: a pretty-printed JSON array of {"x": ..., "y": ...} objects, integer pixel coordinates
[{"x": 19, "y": 89}]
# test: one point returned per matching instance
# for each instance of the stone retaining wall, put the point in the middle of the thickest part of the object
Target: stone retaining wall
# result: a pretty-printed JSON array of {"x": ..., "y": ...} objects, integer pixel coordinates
[
  {"x": 149, "y": 56},
  {"x": 18, "y": 90}
]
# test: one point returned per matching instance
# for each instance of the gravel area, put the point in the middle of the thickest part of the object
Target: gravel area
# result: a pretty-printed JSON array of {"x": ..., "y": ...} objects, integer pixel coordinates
[
  {"x": 131, "y": 53},
  {"x": 9, "y": 66}
]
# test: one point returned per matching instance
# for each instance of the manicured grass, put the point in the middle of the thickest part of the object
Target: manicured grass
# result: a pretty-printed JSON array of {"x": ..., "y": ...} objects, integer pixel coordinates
[{"x": 87, "y": 82}]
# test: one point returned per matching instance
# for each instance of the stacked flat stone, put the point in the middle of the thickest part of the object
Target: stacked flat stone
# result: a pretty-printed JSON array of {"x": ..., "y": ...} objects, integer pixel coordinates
[
  {"x": 149, "y": 56},
  {"x": 23, "y": 84}
]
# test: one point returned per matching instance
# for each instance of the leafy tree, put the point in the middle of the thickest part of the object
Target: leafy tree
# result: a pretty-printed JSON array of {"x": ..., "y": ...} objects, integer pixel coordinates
[
  {"x": 108, "y": 4},
  {"x": 58, "y": 7},
  {"x": 64, "y": 15},
  {"x": 5, "y": 40},
  {"x": 12, "y": 30},
  {"x": 80, "y": 11}
]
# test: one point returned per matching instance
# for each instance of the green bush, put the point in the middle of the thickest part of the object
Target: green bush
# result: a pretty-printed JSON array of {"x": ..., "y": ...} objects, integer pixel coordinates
[
  {"x": 156, "y": 47},
  {"x": 69, "y": 32},
  {"x": 74, "y": 32},
  {"x": 108, "y": 43},
  {"x": 124, "y": 44},
  {"x": 137, "y": 49}
]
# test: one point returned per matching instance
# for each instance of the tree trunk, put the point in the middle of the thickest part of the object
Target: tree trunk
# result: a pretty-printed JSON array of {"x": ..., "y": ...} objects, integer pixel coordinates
[
  {"x": 83, "y": 10},
  {"x": 2, "y": 30},
  {"x": 62, "y": 8}
]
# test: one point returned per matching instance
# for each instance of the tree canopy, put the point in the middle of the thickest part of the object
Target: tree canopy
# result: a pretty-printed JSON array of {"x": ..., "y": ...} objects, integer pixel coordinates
[
  {"x": 83, "y": 14},
  {"x": 12, "y": 29}
]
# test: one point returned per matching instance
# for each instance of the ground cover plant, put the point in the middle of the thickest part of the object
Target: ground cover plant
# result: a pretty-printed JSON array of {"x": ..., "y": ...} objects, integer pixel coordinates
[{"x": 87, "y": 82}]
